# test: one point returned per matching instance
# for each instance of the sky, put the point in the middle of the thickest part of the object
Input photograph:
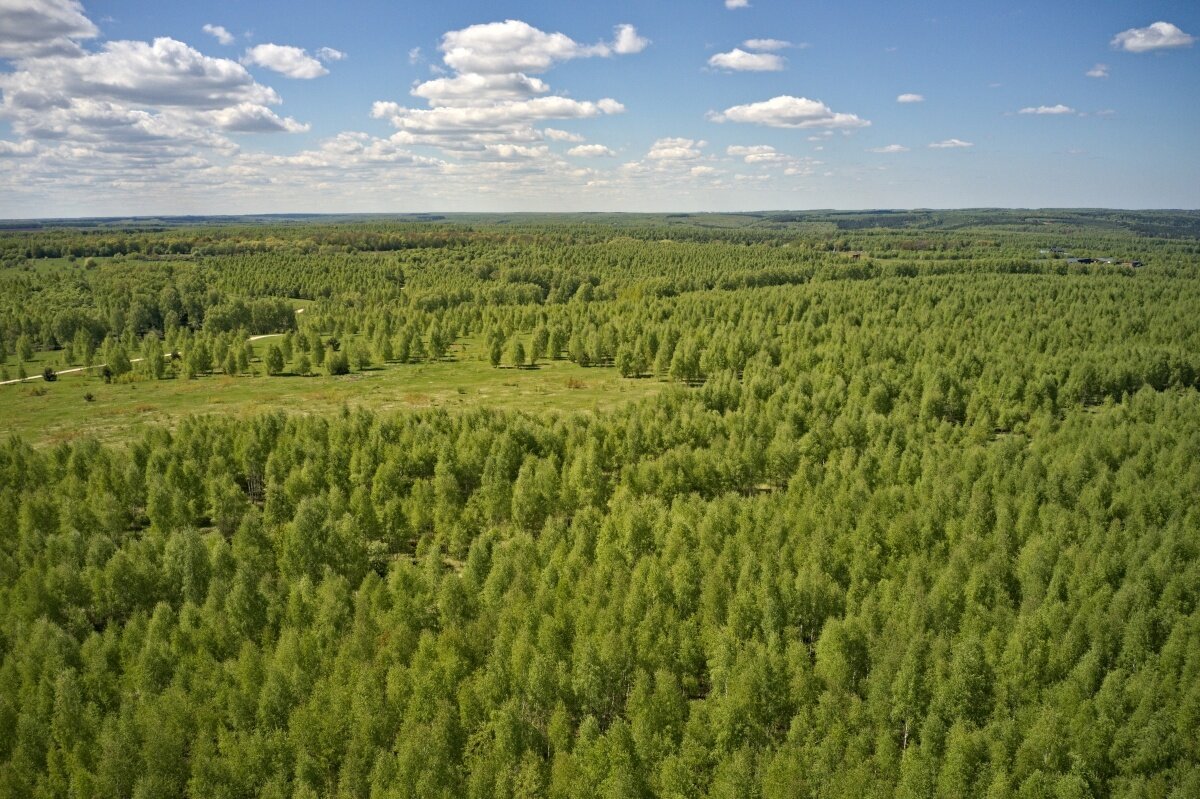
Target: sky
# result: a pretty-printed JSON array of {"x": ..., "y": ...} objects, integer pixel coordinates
[{"x": 145, "y": 107}]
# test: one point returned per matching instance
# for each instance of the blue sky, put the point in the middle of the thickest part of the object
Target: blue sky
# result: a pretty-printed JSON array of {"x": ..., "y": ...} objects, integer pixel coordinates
[{"x": 113, "y": 108}]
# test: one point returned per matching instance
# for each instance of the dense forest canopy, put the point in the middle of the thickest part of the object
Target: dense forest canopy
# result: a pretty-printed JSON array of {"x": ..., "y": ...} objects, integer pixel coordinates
[{"x": 910, "y": 510}]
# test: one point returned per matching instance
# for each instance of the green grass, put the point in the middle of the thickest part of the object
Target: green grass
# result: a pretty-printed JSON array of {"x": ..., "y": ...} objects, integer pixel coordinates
[{"x": 47, "y": 413}]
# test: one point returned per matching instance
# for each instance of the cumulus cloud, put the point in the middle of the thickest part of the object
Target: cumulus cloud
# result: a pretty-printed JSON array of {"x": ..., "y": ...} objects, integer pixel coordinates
[
  {"x": 591, "y": 151},
  {"x": 471, "y": 89},
  {"x": 769, "y": 161},
  {"x": 889, "y": 148},
  {"x": 1098, "y": 71},
  {"x": 739, "y": 60},
  {"x": 1048, "y": 110},
  {"x": 515, "y": 46},
  {"x": 490, "y": 99},
  {"x": 491, "y": 117},
  {"x": 155, "y": 124},
  {"x": 737, "y": 3},
  {"x": 627, "y": 41},
  {"x": 755, "y": 154},
  {"x": 950, "y": 144},
  {"x": 766, "y": 44},
  {"x": 911, "y": 98},
  {"x": 1158, "y": 36},
  {"x": 347, "y": 150},
  {"x": 251, "y": 118},
  {"x": 219, "y": 33},
  {"x": 292, "y": 62},
  {"x": 36, "y": 28},
  {"x": 130, "y": 114},
  {"x": 506, "y": 151},
  {"x": 676, "y": 149},
  {"x": 165, "y": 72},
  {"x": 786, "y": 111},
  {"x": 554, "y": 134}
]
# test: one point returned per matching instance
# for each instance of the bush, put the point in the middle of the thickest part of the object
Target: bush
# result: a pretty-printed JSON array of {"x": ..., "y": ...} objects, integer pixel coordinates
[
  {"x": 338, "y": 363},
  {"x": 49, "y": 375}
]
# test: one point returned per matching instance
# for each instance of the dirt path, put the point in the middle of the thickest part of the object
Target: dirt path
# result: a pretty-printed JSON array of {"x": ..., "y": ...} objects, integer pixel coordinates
[{"x": 74, "y": 369}]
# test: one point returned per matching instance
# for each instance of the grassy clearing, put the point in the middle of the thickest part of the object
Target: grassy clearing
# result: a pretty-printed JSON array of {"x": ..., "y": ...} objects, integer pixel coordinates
[{"x": 48, "y": 413}]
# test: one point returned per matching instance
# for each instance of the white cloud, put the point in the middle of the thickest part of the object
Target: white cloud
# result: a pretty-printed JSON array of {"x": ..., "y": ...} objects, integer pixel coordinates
[
  {"x": 292, "y": 62},
  {"x": 13, "y": 149},
  {"x": 786, "y": 111},
  {"x": 554, "y": 134},
  {"x": 472, "y": 89},
  {"x": 950, "y": 144},
  {"x": 757, "y": 154},
  {"x": 1098, "y": 71},
  {"x": 166, "y": 72},
  {"x": 739, "y": 60},
  {"x": 130, "y": 116},
  {"x": 36, "y": 28},
  {"x": 1159, "y": 36},
  {"x": 251, "y": 118},
  {"x": 767, "y": 158},
  {"x": 1050, "y": 110},
  {"x": 766, "y": 44},
  {"x": 219, "y": 33},
  {"x": 414, "y": 55},
  {"x": 738, "y": 150},
  {"x": 329, "y": 54},
  {"x": 506, "y": 151},
  {"x": 911, "y": 98},
  {"x": 511, "y": 46},
  {"x": 491, "y": 117},
  {"x": 675, "y": 149},
  {"x": 890, "y": 148},
  {"x": 627, "y": 41},
  {"x": 348, "y": 150},
  {"x": 490, "y": 99},
  {"x": 737, "y": 3},
  {"x": 591, "y": 151}
]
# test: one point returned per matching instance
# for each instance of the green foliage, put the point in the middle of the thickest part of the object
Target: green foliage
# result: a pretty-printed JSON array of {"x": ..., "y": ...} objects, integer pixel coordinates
[
  {"x": 274, "y": 360},
  {"x": 337, "y": 361},
  {"x": 920, "y": 522}
]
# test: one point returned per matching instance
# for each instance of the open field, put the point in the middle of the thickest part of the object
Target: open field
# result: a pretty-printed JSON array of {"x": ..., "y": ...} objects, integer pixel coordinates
[{"x": 49, "y": 413}]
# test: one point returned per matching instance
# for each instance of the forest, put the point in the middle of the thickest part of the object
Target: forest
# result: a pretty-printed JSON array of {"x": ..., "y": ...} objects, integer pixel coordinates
[{"x": 716, "y": 505}]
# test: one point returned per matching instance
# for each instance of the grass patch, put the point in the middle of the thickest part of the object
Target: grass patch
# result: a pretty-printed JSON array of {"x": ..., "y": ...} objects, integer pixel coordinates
[{"x": 49, "y": 413}]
